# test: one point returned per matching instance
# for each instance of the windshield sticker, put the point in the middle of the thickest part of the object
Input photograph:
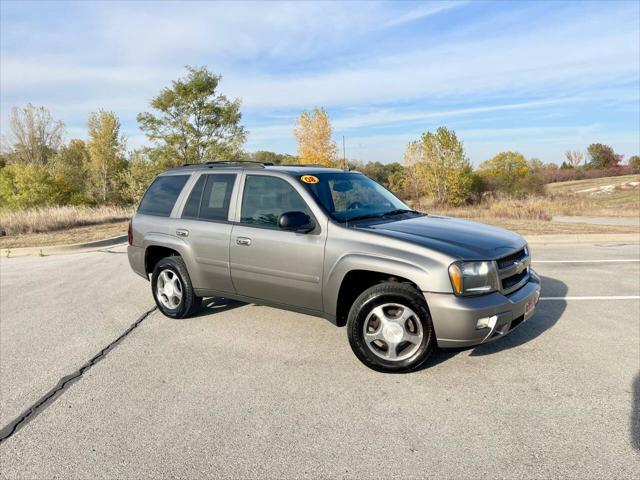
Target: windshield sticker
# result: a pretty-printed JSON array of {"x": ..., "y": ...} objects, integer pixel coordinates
[{"x": 309, "y": 179}]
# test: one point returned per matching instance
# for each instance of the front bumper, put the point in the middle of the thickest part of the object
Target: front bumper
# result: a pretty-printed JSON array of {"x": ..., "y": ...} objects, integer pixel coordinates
[{"x": 455, "y": 318}]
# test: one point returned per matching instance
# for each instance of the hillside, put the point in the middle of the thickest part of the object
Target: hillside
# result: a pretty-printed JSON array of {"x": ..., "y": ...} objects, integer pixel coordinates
[{"x": 602, "y": 193}]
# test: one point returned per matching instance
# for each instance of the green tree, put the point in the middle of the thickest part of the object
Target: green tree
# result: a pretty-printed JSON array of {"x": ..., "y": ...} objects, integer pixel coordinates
[
  {"x": 313, "y": 133},
  {"x": 634, "y": 163},
  {"x": 272, "y": 157},
  {"x": 106, "y": 156},
  {"x": 144, "y": 165},
  {"x": 443, "y": 168},
  {"x": 602, "y": 156},
  {"x": 506, "y": 172},
  {"x": 25, "y": 186},
  {"x": 193, "y": 123},
  {"x": 34, "y": 135},
  {"x": 70, "y": 172}
]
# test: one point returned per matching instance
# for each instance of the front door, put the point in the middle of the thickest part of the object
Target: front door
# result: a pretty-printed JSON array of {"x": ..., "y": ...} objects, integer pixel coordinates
[{"x": 267, "y": 262}]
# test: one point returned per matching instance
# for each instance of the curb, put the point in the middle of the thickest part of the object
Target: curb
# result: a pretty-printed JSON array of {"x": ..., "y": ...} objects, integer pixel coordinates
[{"x": 61, "y": 249}]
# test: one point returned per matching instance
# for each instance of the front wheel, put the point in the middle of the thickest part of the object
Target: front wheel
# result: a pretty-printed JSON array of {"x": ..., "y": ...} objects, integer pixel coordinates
[
  {"x": 390, "y": 329},
  {"x": 172, "y": 288}
]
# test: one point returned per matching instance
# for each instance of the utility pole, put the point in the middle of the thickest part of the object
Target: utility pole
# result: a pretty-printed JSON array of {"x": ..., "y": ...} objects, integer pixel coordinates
[{"x": 344, "y": 155}]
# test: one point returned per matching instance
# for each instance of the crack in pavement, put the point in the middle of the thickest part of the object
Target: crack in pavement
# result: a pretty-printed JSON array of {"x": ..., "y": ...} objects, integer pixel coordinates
[{"x": 47, "y": 399}]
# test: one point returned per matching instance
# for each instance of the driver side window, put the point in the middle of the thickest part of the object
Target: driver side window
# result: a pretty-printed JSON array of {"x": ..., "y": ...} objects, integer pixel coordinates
[{"x": 265, "y": 198}]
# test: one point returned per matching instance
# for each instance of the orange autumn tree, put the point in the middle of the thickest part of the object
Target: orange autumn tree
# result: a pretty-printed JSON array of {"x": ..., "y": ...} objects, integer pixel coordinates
[{"x": 313, "y": 133}]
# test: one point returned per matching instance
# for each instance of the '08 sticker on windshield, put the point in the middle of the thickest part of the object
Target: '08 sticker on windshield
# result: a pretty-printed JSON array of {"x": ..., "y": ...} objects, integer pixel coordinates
[{"x": 309, "y": 179}]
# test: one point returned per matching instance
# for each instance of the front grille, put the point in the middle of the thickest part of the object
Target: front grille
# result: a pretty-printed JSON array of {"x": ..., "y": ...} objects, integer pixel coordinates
[
  {"x": 513, "y": 270},
  {"x": 513, "y": 280},
  {"x": 511, "y": 259}
]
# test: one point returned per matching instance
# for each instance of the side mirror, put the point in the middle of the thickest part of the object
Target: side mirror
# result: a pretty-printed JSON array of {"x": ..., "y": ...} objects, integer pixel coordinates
[{"x": 295, "y": 222}]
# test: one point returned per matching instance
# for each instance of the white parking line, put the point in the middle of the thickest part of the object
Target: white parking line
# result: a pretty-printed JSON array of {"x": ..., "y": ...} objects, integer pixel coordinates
[
  {"x": 619, "y": 297},
  {"x": 616, "y": 260}
]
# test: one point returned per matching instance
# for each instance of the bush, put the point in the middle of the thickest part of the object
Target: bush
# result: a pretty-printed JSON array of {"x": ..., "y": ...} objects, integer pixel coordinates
[
  {"x": 507, "y": 172},
  {"x": 634, "y": 164},
  {"x": 26, "y": 185}
]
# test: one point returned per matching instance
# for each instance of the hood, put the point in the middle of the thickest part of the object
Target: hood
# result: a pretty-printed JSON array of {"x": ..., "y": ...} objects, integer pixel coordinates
[{"x": 461, "y": 239}]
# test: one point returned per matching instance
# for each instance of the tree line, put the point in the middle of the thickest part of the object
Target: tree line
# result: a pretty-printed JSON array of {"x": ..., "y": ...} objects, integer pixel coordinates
[{"x": 190, "y": 121}]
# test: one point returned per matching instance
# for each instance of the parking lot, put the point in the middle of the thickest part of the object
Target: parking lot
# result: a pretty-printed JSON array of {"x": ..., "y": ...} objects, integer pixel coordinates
[{"x": 247, "y": 391}]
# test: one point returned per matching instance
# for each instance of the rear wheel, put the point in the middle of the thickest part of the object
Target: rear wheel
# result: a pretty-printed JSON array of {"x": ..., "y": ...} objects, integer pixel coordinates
[
  {"x": 172, "y": 289},
  {"x": 390, "y": 329}
]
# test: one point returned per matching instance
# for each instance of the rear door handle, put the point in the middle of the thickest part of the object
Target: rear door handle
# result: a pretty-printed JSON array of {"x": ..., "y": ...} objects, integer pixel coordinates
[
  {"x": 181, "y": 232},
  {"x": 244, "y": 241}
]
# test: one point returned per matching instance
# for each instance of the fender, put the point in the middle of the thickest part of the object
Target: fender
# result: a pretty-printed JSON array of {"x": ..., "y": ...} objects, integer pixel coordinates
[
  {"x": 170, "y": 241},
  {"x": 361, "y": 261}
]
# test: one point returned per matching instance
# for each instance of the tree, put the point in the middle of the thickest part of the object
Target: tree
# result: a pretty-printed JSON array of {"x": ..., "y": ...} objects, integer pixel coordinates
[
  {"x": 70, "y": 171},
  {"x": 574, "y": 158},
  {"x": 412, "y": 159},
  {"x": 26, "y": 185},
  {"x": 34, "y": 136},
  {"x": 145, "y": 164},
  {"x": 437, "y": 164},
  {"x": 313, "y": 133},
  {"x": 193, "y": 122},
  {"x": 506, "y": 172},
  {"x": 272, "y": 157},
  {"x": 602, "y": 156},
  {"x": 106, "y": 155},
  {"x": 634, "y": 163}
]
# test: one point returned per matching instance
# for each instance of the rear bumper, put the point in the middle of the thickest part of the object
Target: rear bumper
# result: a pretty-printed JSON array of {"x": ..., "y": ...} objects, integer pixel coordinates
[
  {"x": 136, "y": 260},
  {"x": 455, "y": 318}
]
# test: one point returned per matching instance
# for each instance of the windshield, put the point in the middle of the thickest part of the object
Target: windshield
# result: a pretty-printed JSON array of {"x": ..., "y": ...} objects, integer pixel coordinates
[{"x": 352, "y": 196}]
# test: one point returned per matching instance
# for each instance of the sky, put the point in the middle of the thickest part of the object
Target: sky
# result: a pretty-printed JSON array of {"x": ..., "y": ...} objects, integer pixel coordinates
[{"x": 540, "y": 78}]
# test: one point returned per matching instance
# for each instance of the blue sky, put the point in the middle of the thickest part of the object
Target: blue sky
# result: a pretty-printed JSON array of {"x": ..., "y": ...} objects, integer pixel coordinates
[{"x": 540, "y": 78}]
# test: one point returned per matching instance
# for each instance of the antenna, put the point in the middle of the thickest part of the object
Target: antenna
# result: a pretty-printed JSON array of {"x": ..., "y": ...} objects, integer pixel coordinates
[{"x": 344, "y": 155}]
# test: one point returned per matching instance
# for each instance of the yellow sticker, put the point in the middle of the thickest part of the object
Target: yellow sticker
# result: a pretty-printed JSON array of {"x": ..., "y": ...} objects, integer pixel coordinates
[{"x": 309, "y": 179}]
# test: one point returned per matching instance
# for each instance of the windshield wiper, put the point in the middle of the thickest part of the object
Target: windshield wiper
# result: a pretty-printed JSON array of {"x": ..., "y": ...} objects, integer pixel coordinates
[{"x": 381, "y": 215}]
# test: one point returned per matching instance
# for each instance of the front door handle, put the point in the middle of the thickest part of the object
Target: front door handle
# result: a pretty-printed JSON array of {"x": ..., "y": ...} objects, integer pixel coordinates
[
  {"x": 181, "y": 232},
  {"x": 244, "y": 241}
]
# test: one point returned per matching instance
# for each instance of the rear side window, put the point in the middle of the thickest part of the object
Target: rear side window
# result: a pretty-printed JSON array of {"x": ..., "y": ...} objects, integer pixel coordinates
[
  {"x": 266, "y": 198},
  {"x": 210, "y": 197},
  {"x": 162, "y": 195}
]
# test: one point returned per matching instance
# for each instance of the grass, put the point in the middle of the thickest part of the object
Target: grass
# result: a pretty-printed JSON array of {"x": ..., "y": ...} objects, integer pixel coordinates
[
  {"x": 51, "y": 219},
  {"x": 606, "y": 197},
  {"x": 87, "y": 233}
]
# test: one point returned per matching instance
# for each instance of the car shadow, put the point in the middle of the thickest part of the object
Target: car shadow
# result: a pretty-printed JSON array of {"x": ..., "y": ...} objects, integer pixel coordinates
[
  {"x": 546, "y": 316},
  {"x": 634, "y": 421},
  {"x": 213, "y": 305}
]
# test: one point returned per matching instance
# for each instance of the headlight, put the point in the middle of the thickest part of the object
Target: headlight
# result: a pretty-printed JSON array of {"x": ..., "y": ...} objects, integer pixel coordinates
[{"x": 473, "y": 278}]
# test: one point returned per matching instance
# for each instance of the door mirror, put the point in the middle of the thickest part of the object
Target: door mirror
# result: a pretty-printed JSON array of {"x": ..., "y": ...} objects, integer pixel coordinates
[{"x": 295, "y": 222}]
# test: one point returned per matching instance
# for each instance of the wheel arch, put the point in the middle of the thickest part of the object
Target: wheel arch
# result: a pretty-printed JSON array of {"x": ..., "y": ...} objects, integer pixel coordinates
[{"x": 353, "y": 274}]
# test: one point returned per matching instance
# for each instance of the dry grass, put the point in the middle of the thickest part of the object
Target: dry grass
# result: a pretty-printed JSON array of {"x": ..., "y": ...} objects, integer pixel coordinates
[
  {"x": 41, "y": 220},
  {"x": 600, "y": 197},
  {"x": 68, "y": 236}
]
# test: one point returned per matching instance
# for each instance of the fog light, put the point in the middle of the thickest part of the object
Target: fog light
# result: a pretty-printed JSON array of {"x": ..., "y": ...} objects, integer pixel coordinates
[{"x": 487, "y": 322}]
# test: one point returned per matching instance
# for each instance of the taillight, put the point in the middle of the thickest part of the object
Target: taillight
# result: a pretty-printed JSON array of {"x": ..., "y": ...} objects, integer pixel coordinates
[{"x": 130, "y": 233}]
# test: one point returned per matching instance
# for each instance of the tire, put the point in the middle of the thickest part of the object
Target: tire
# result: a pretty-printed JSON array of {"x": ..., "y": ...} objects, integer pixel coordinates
[
  {"x": 386, "y": 313},
  {"x": 183, "y": 301}
]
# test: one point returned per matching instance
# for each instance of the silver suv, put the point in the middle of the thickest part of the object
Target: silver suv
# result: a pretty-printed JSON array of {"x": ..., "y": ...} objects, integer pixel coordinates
[{"x": 335, "y": 244}]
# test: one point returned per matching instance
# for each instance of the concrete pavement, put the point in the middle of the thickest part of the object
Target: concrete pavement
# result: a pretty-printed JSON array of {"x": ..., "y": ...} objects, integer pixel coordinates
[{"x": 244, "y": 391}]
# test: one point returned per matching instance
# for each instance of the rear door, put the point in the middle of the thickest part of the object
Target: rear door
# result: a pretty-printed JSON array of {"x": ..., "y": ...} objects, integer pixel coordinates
[
  {"x": 272, "y": 264},
  {"x": 204, "y": 224}
]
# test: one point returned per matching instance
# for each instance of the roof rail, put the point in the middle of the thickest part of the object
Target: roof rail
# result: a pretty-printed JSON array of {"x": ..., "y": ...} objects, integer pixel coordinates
[
  {"x": 315, "y": 165},
  {"x": 227, "y": 162}
]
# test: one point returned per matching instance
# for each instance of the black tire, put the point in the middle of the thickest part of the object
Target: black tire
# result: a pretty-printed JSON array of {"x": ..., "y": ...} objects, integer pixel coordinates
[
  {"x": 189, "y": 302},
  {"x": 383, "y": 293}
]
